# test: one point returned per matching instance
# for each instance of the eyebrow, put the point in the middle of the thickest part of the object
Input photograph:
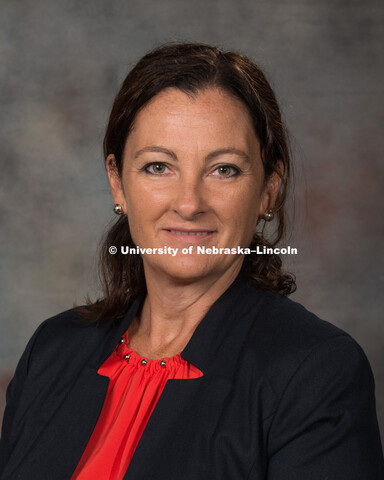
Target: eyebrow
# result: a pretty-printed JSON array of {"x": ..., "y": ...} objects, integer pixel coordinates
[{"x": 210, "y": 156}]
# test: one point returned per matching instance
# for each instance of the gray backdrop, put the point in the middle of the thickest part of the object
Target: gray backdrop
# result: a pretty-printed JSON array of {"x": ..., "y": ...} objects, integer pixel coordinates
[{"x": 61, "y": 65}]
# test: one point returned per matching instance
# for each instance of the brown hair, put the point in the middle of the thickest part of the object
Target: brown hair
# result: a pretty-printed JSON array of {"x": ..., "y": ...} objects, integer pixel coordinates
[{"x": 192, "y": 67}]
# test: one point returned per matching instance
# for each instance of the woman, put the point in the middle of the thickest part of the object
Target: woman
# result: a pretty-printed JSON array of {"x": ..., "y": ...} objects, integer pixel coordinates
[{"x": 193, "y": 365}]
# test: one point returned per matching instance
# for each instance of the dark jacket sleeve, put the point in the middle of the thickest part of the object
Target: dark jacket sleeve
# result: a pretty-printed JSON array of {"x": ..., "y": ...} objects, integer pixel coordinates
[
  {"x": 14, "y": 392},
  {"x": 325, "y": 426}
]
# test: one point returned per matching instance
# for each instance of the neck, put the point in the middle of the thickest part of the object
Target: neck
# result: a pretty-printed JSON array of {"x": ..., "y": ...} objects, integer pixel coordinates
[{"x": 172, "y": 310}]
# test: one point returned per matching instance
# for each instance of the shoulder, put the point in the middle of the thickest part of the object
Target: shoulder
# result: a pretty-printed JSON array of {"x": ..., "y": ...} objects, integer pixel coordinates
[
  {"x": 318, "y": 392},
  {"x": 66, "y": 325},
  {"x": 284, "y": 336},
  {"x": 55, "y": 341},
  {"x": 62, "y": 338},
  {"x": 281, "y": 319}
]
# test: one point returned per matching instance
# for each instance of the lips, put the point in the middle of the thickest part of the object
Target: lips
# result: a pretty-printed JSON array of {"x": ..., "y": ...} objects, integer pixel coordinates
[
  {"x": 190, "y": 235},
  {"x": 191, "y": 232}
]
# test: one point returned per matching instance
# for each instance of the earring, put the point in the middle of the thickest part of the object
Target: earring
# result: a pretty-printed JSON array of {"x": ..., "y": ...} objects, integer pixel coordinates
[
  {"x": 268, "y": 217},
  {"x": 118, "y": 209}
]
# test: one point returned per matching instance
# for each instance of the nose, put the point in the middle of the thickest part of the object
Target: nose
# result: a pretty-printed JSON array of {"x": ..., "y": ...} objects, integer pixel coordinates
[{"x": 188, "y": 199}]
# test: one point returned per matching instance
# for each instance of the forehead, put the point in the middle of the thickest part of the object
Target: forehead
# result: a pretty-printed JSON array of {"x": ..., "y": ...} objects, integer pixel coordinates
[{"x": 211, "y": 114}]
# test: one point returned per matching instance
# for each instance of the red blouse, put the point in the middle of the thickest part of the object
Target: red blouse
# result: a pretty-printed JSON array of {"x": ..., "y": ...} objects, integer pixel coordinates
[{"x": 135, "y": 386}]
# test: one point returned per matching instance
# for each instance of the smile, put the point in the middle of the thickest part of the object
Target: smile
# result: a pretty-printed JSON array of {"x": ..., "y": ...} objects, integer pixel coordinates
[
  {"x": 190, "y": 236},
  {"x": 180, "y": 232}
]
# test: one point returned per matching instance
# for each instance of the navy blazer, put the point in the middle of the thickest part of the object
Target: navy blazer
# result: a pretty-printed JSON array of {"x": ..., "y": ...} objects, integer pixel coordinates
[{"x": 284, "y": 396}]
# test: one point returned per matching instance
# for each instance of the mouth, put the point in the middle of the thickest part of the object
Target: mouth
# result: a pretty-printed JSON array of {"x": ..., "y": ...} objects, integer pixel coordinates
[
  {"x": 190, "y": 235},
  {"x": 191, "y": 232}
]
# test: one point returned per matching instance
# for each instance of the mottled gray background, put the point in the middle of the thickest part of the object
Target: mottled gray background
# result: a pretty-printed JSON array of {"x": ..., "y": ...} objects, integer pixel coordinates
[{"x": 61, "y": 65}]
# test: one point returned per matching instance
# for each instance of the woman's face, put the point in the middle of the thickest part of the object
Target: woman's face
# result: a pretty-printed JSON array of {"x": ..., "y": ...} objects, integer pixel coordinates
[{"x": 192, "y": 176}]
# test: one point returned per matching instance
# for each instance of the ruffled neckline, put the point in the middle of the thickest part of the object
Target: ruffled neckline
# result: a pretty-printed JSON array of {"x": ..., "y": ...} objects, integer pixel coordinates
[{"x": 129, "y": 355}]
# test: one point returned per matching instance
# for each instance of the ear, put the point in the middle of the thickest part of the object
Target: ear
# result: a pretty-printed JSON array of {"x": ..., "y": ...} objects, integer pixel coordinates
[
  {"x": 271, "y": 190},
  {"x": 115, "y": 182}
]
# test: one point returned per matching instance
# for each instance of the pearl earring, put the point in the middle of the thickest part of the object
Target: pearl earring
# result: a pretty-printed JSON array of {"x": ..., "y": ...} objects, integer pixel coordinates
[
  {"x": 268, "y": 217},
  {"x": 118, "y": 209}
]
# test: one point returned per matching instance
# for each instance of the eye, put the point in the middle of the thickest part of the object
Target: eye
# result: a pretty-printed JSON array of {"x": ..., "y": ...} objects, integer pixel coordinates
[
  {"x": 155, "y": 168},
  {"x": 225, "y": 171}
]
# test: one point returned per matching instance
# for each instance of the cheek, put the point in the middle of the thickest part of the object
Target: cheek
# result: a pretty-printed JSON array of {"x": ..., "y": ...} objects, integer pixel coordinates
[
  {"x": 144, "y": 206},
  {"x": 239, "y": 215},
  {"x": 136, "y": 211},
  {"x": 242, "y": 204},
  {"x": 142, "y": 192},
  {"x": 244, "y": 222},
  {"x": 138, "y": 198}
]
